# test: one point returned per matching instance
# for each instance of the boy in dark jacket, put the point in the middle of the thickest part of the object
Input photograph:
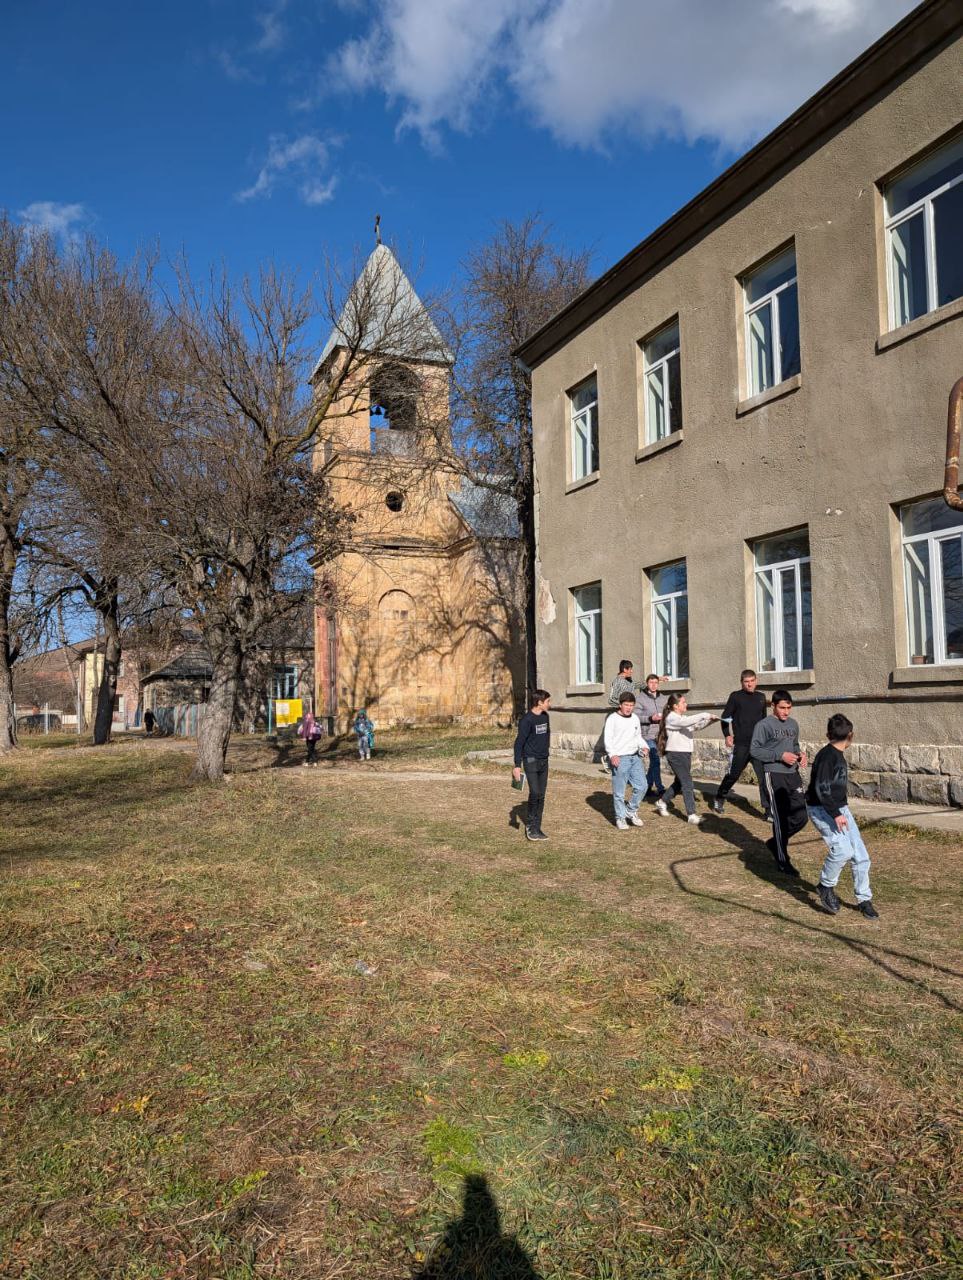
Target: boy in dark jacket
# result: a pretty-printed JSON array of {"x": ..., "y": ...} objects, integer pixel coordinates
[
  {"x": 826, "y": 800},
  {"x": 775, "y": 748},
  {"x": 745, "y": 707},
  {"x": 532, "y": 744}
]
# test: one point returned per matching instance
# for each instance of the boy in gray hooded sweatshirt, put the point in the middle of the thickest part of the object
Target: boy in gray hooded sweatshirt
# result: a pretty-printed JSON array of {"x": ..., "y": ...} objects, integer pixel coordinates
[{"x": 775, "y": 748}]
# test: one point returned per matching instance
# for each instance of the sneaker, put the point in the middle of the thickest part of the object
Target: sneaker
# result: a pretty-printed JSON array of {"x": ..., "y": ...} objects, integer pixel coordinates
[
  {"x": 694, "y": 820},
  {"x": 868, "y": 910},
  {"x": 717, "y": 805},
  {"x": 541, "y": 834},
  {"x": 789, "y": 870},
  {"x": 635, "y": 820},
  {"x": 827, "y": 896},
  {"x": 621, "y": 824},
  {"x": 530, "y": 834},
  {"x": 661, "y": 808}
]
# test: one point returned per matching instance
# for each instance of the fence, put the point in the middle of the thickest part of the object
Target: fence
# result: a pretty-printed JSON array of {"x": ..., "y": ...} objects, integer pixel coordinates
[{"x": 179, "y": 721}]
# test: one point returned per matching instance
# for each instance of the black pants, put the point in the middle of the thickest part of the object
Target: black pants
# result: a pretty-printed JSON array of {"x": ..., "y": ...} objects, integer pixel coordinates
[
  {"x": 740, "y": 758},
  {"x": 787, "y": 799},
  {"x": 536, "y": 771},
  {"x": 312, "y": 745}
]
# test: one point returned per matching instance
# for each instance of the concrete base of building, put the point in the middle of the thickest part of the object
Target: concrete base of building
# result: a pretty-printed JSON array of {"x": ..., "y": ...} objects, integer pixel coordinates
[{"x": 911, "y": 774}]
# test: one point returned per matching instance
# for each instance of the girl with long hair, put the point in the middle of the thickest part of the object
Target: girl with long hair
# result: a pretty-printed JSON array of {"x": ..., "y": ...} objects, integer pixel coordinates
[{"x": 676, "y": 732}]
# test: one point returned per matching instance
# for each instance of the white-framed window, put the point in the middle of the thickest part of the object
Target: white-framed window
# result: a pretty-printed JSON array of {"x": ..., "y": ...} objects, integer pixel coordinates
[
  {"x": 924, "y": 235},
  {"x": 772, "y": 323},
  {"x": 588, "y": 633},
  {"x": 933, "y": 574},
  {"x": 662, "y": 373},
  {"x": 585, "y": 428},
  {"x": 670, "y": 620},
  {"x": 784, "y": 610},
  {"x": 284, "y": 684}
]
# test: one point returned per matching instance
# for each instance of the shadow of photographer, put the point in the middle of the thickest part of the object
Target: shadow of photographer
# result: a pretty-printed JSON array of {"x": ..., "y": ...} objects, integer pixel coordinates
[{"x": 473, "y": 1246}]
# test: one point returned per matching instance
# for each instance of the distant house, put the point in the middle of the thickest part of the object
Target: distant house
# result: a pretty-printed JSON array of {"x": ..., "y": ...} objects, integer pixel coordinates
[{"x": 67, "y": 679}]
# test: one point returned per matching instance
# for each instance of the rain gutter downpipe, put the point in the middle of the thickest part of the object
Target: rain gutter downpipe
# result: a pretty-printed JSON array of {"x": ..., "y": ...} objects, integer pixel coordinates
[{"x": 951, "y": 476}]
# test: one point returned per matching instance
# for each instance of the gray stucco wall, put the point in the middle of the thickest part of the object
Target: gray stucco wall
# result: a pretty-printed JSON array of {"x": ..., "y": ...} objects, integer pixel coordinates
[{"x": 863, "y": 432}]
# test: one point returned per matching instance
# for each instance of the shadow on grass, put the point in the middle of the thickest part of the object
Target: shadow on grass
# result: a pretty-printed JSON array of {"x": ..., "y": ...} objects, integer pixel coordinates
[
  {"x": 757, "y": 860},
  {"x": 473, "y": 1246},
  {"x": 867, "y": 950}
]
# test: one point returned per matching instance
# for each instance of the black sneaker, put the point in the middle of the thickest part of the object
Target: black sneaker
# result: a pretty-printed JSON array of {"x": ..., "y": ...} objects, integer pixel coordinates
[
  {"x": 827, "y": 896},
  {"x": 717, "y": 805},
  {"x": 530, "y": 834},
  {"x": 868, "y": 910},
  {"x": 540, "y": 834}
]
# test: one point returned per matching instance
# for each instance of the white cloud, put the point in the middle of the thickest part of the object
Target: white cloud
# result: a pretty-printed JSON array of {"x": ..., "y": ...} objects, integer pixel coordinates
[
  {"x": 273, "y": 30},
  {"x": 298, "y": 162},
  {"x": 231, "y": 58},
  {"x": 65, "y": 220},
  {"x": 724, "y": 70}
]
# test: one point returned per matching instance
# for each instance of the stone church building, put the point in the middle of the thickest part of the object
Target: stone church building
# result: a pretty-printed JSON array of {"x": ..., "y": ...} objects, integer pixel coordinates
[{"x": 425, "y": 621}]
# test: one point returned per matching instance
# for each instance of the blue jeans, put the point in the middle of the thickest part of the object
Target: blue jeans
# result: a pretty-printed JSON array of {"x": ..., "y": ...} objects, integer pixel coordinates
[
  {"x": 653, "y": 774},
  {"x": 844, "y": 846},
  {"x": 631, "y": 770}
]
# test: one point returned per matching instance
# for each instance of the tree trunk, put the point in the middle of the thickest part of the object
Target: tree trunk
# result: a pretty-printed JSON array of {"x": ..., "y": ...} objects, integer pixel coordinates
[
  {"x": 217, "y": 720},
  {"x": 8, "y": 716},
  {"x": 8, "y": 713},
  {"x": 106, "y": 694}
]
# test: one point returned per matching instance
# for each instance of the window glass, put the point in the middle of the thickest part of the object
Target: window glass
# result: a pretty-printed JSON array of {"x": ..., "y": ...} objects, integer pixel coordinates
[
  {"x": 908, "y": 253},
  {"x": 589, "y": 598},
  {"x": 670, "y": 620},
  {"x": 760, "y": 350},
  {"x": 948, "y": 237},
  {"x": 951, "y": 565},
  {"x": 919, "y": 607},
  {"x": 771, "y": 275},
  {"x": 668, "y": 579},
  {"x": 785, "y": 546},
  {"x": 657, "y": 416},
  {"x": 789, "y": 333},
  {"x": 663, "y": 384},
  {"x": 943, "y": 166},
  {"x": 929, "y": 516},
  {"x": 585, "y": 433},
  {"x": 784, "y": 602},
  {"x": 674, "y": 367},
  {"x": 665, "y": 340}
]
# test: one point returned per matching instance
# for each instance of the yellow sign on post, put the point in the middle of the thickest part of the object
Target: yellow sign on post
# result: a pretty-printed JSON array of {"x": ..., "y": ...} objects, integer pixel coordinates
[{"x": 287, "y": 711}]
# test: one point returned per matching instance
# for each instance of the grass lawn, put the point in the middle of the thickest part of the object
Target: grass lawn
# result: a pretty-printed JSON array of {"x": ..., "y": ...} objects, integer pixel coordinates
[{"x": 345, "y": 1022}]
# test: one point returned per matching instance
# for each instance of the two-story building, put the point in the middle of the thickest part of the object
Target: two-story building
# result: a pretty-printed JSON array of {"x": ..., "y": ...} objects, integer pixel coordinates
[{"x": 740, "y": 432}]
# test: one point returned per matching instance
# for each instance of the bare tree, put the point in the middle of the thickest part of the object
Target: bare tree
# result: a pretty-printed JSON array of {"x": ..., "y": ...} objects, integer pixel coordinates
[
  {"x": 22, "y": 454},
  {"x": 514, "y": 284}
]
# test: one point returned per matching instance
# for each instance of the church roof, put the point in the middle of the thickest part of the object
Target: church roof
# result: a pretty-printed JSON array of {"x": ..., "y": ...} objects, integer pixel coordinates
[
  {"x": 398, "y": 324},
  {"x": 487, "y": 514}
]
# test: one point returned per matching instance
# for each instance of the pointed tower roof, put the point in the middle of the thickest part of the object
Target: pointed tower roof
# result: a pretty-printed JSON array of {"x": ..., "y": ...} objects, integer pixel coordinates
[{"x": 385, "y": 313}]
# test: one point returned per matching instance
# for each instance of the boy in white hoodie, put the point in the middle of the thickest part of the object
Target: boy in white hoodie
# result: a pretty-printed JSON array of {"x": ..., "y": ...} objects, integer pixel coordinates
[
  {"x": 628, "y": 756},
  {"x": 675, "y": 743}
]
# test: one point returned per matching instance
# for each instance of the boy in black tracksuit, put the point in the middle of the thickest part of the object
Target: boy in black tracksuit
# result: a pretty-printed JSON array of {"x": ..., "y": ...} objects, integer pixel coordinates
[
  {"x": 531, "y": 753},
  {"x": 775, "y": 747},
  {"x": 745, "y": 707}
]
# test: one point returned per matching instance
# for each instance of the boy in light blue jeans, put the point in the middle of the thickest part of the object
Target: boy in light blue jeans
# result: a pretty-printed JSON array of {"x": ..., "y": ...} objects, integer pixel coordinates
[{"x": 826, "y": 799}]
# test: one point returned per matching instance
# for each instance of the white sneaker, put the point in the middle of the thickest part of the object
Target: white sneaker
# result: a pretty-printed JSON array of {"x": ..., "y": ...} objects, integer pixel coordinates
[
  {"x": 621, "y": 824},
  {"x": 661, "y": 808},
  {"x": 635, "y": 820},
  {"x": 694, "y": 819}
]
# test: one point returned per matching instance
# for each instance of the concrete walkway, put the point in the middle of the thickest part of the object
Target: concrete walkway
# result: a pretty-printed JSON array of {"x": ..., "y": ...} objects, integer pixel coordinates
[{"x": 926, "y": 817}]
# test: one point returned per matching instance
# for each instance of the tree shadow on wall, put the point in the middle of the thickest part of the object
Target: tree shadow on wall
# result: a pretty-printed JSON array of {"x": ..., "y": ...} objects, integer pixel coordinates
[{"x": 473, "y": 1246}]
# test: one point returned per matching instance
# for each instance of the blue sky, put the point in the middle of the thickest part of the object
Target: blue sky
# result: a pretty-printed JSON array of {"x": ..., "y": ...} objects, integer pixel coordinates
[{"x": 243, "y": 130}]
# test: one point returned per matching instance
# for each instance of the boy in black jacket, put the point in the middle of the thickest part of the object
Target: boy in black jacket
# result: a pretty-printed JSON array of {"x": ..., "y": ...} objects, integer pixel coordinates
[
  {"x": 531, "y": 753},
  {"x": 826, "y": 801},
  {"x": 745, "y": 707}
]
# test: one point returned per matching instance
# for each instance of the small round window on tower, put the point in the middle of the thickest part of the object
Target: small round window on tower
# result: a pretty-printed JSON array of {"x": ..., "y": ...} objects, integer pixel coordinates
[{"x": 395, "y": 500}]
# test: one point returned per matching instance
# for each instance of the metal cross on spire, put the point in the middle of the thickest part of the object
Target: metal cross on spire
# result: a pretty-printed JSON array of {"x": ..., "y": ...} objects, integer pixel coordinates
[{"x": 377, "y": 228}]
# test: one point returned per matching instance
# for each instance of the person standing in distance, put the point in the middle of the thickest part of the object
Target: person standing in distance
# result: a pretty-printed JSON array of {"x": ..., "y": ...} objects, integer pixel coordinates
[
  {"x": 775, "y": 745},
  {"x": 745, "y": 707},
  {"x": 650, "y": 707},
  {"x": 531, "y": 754},
  {"x": 626, "y": 748},
  {"x": 622, "y": 683}
]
